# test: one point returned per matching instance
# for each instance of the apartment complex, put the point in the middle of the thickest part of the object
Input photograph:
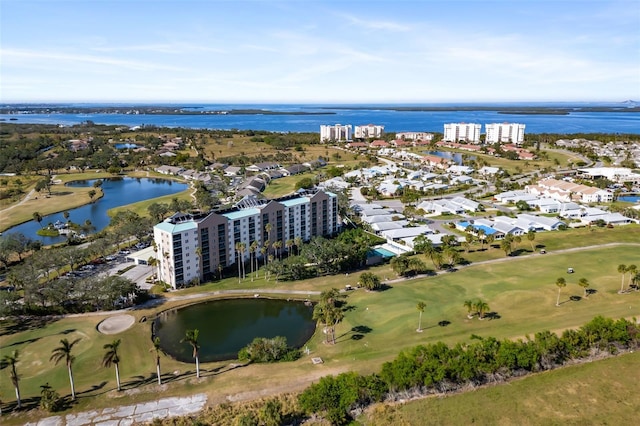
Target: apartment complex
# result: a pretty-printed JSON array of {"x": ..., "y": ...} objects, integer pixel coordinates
[
  {"x": 335, "y": 133},
  {"x": 197, "y": 246},
  {"x": 504, "y": 133},
  {"x": 368, "y": 131},
  {"x": 415, "y": 136},
  {"x": 468, "y": 132}
]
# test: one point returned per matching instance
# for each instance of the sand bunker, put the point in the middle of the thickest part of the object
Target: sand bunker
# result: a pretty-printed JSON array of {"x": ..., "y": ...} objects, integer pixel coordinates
[{"x": 116, "y": 324}]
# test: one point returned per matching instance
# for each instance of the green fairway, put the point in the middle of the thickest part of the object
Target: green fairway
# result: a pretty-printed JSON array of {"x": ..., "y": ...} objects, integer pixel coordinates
[
  {"x": 592, "y": 393},
  {"x": 376, "y": 327}
]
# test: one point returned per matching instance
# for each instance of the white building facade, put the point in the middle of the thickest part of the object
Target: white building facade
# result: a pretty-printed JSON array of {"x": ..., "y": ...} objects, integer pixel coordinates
[
  {"x": 335, "y": 133},
  {"x": 468, "y": 132},
  {"x": 368, "y": 131},
  {"x": 191, "y": 247},
  {"x": 504, "y": 133},
  {"x": 416, "y": 136}
]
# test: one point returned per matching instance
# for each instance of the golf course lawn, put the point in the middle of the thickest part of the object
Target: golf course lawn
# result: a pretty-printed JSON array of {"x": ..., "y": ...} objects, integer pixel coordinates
[
  {"x": 584, "y": 394},
  {"x": 377, "y": 326}
]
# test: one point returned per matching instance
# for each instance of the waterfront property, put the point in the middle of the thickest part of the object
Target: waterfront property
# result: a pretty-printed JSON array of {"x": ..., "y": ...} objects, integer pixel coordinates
[
  {"x": 468, "y": 132},
  {"x": 196, "y": 246},
  {"x": 504, "y": 133}
]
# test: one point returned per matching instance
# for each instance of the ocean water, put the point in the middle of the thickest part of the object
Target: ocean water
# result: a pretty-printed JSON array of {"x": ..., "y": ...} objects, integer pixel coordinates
[{"x": 394, "y": 121}]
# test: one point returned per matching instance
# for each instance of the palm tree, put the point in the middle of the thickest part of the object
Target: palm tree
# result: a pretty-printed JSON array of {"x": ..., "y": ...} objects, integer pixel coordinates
[
  {"x": 268, "y": 227},
  {"x": 481, "y": 307},
  {"x": 243, "y": 248},
  {"x": 277, "y": 245},
  {"x": 560, "y": 282},
  {"x": 111, "y": 358},
  {"x": 490, "y": 239},
  {"x": 482, "y": 235},
  {"x": 298, "y": 242},
  {"x": 64, "y": 352},
  {"x": 263, "y": 252},
  {"x": 470, "y": 307},
  {"x": 584, "y": 283},
  {"x": 237, "y": 247},
  {"x": 66, "y": 216},
  {"x": 38, "y": 218},
  {"x": 622, "y": 268},
  {"x": 156, "y": 348},
  {"x": 11, "y": 360},
  {"x": 505, "y": 245},
  {"x": 91, "y": 193},
  {"x": 253, "y": 249},
  {"x": 631, "y": 269},
  {"x": 191, "y": 337},
  {"x": 420, "y": 306},
  {"x": 289, "y": 245},
  {"x": 531, "y": 236}
]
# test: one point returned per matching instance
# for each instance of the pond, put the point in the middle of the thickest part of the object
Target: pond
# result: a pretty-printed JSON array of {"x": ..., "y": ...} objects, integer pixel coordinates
[
  {"x": 117, "y": 192},
  {"x": 226, "y": 326}
]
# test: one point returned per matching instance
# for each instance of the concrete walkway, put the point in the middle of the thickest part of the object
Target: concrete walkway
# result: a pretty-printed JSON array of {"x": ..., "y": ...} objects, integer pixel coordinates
[{"x": 130, "y": 414}]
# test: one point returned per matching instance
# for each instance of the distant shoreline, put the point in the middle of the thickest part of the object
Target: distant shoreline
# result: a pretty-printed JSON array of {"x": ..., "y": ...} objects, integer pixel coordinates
[{"x": 25, "y": 109}]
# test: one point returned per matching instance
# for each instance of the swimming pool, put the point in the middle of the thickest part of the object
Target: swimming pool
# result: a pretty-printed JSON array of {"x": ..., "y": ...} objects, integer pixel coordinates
[{"x": 382, "y": 252}]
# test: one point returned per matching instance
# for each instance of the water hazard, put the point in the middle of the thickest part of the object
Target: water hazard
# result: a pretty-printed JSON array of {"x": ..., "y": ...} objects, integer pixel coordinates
[{"x": 226, "y": 326}]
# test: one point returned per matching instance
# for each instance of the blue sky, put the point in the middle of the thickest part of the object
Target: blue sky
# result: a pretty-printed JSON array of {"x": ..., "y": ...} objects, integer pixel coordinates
[{"x": 319, "y": 51}]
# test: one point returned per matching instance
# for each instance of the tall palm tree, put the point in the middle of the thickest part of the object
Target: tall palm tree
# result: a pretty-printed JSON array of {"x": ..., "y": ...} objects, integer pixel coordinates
[
  {"x": 263, "y": 252},
  {"x": 111, "y": 357},
  {"x": 584, "y": 283},
  {"x": 191, "y": 337},
  {"x": 243, "y": 248},
  {"x": 156, "y": 348},
  {"x": 10, "y": 360},
  {"x": 482, "y": 235},
  {"x": 561, "y": 283},
  {"x": 531, "y": 236},
  {"x": 622, "y": 268},
  {"x": 253, "y": 249},
  {"x": 289, "y": 245},
  {"x": 420, "y": 306},
  {"x": 277, "y": 245},
  {"x": 64, "y": 352},
  {"x": 237, "y": 247},
  {"x": 298, "y": 242},
  {"x": 268, "y": 227}
]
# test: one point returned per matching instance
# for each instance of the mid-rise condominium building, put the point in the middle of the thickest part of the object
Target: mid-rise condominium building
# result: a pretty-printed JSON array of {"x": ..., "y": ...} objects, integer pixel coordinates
[
  {"x": 368, "y": 131},
  {"x": 415, "y": 136},
  {"x": 197, "y": 246},
  {"x": 504, "y": 133},
  {"x": 335, "y": 133},
  {"x": 467, "y": 132}
]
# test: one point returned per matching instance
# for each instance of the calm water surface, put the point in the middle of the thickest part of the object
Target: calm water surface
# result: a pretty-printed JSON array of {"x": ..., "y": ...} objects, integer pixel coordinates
[
  {"x": 394, "y": 121},
  {"x": 226, "y": 326},
  {"x": 117, "y": 192}
]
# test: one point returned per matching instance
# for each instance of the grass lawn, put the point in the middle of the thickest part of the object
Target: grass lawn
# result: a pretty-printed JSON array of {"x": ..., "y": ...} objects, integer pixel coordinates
[
  {"x": 376, "y": 327},
  {"x": 592, "y": 393}
]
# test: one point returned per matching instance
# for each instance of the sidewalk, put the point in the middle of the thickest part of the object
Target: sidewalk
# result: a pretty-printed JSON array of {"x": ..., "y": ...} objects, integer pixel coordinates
[{"x": 130, "y": 414}]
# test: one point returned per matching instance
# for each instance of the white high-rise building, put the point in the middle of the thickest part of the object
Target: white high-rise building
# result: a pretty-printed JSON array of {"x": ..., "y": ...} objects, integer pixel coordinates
[
  {"x": 504, "y": 133},
  {"x": 467, "y": 132},
  {"x": 368, "y": 131},
  {"x": 335, "y": 133}
]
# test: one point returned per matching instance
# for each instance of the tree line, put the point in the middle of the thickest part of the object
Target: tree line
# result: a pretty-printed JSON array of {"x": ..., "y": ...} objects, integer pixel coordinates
[{"x": 438, "y": 368}]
